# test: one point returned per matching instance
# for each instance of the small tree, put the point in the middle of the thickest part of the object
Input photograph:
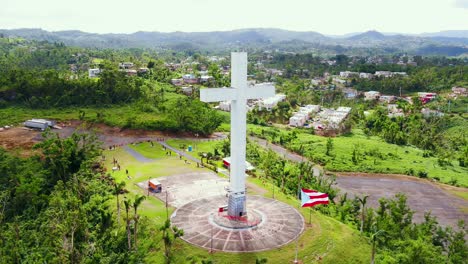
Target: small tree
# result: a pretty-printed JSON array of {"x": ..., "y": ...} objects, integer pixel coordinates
[
  {"x": 138, "y": 200},
  {"x": 119, "y": 188},
  {"x": 170, "y": 234},
  {"x": 363, "y": 202},
  {"x": 329, "y": 146},
  {"x": 127, "y": 208}
]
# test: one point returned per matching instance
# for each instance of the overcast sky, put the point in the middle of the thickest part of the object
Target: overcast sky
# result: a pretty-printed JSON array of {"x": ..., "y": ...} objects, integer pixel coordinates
[{"x": 324, "y": 16}]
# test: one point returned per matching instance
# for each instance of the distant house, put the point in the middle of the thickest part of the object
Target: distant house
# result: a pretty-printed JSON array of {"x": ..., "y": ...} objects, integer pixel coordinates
[
  {"x": 225, "y": 106},
  {"x": 297, "y": 120},
  {"x": 125, "y": 65},
  {"x": 187, "y": 90},
  {"x": 385, "y": 74},
  {"x": 177, "y": 82},
  {"x": 365, "y": 75},
  {"x": 143, "y": 70},
  {"x": 93, "y": 73},
  {"x": 387, "y": 99},
  {"x": 371, "y": 95},
  {"x": 190, "y": 79},
  {"x": 394, "y": 111},
  {"x": 227, "y": 164},
  {"x": 399, "y": 74},
  {"x": 459, "y": 91},
  {"x": 426, "y": 112},
  {"x": 349, "y": 74},
  {"x": 205, "y": 79},
  {"x": 131, "y": 72},
  {"x": 350, "y": 93},
  {"x": 426, "y": 97},
  {"x": 269, "y": 103}
]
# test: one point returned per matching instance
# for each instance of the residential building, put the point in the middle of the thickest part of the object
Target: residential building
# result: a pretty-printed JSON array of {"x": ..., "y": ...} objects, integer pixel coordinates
[
  {"x": 426, "y": 97},
  {"x": 190, "y": 79},
  {"x": 385, "y": 74},
  {"x": 371, "y": 95},
  {"x": 350, "y": 93},
  {"x": 365, "y": 75},
  {"x": 187, "y": 90},
  {"x": 387, "y": 99},
  {"x": 269, "y": 103},
  {"x": 177, "y": 82},
  {"x": 125, "y": 65},
  {"x": 297, "y": 121},
  {"x": 225, "y": 106},
  {"x": 349, "y": 74},
  {"x": 93, "y": 73},
  {"x": 459, "y": 91}
]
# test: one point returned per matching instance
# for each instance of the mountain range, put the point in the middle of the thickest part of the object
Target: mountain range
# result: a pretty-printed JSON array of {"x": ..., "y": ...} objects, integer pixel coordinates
[{"x": 451, "y": 43}]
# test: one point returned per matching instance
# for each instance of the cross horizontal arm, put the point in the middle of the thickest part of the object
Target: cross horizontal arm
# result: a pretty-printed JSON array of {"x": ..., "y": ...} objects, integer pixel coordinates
[
  {"x": 260, "y": 91},
  {"x": 217, "y": 94}
]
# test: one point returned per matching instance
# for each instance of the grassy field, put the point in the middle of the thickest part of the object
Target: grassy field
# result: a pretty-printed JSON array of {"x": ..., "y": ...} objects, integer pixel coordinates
[
  {"x": 150, "y": 151},
  {"x": 326, "y": 238},
  {"x": 135, "y": 115},
  {"x": 372, "y": 155},
  {"x": 197, "y": 145}
]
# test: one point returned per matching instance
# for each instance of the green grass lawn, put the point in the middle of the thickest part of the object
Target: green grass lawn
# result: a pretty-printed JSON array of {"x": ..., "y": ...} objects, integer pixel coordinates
[
  {"x": 149, "y": 151},
  {"x": 120, "y": 116},
  {"x": 374, "y": 155},
  {"x": 326, "y": 238},
  {"x": 197, "y": 145}
]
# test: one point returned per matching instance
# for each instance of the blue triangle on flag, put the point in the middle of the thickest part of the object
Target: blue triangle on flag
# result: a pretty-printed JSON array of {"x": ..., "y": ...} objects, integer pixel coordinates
[{"x": 304, "y": 198}]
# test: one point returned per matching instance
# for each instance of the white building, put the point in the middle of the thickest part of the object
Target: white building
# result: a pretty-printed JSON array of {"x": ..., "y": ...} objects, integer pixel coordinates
[
  {"x": 371, "y": 95},
  {"x": 383, "y": 74},
  {"x": 93, "y": 73},
  {"x": 348, "y": 74},
  {"x": 366, "y": 75},
  {"x": 205, "y": 78},
  {"x": 177, "y": 82},
  {"x": 297, "y": 121},
  {"x": 187, "y": 90},
  {"x": 271, "y": 102},
  {"x": 225, "y": 106},
  {"x": 125, "y": 65}
]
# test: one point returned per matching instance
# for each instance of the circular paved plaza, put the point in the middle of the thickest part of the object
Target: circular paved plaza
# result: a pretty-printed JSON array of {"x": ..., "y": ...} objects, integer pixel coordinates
[{"x": 279, "y": 225}]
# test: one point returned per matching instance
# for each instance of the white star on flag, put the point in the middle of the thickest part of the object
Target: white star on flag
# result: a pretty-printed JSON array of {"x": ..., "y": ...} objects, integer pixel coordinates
[{"x": 311, "y": 198}]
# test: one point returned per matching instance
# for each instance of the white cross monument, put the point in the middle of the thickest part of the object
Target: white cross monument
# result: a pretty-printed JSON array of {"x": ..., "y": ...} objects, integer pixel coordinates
[{"x": 238, "y": 94}]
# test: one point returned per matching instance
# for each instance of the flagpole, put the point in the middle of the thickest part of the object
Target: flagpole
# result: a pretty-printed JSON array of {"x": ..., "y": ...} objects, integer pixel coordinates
[
  {"x": 310, "y": 215},
  {"x": 297, "y": 246}
]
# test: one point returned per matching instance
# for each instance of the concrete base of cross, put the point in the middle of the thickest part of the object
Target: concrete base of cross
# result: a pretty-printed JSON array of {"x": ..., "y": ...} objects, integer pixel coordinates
[{"x": 236, "y": 205}]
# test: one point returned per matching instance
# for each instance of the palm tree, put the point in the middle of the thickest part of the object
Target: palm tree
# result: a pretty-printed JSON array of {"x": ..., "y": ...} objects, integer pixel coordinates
[
  {"x": 138, "y": 200},
  {"x": 127, "y": 208},
  {"x": 363, "y": 202},
  {"x": 373, "y": 239},
  {"x": 119, "y": 188}
]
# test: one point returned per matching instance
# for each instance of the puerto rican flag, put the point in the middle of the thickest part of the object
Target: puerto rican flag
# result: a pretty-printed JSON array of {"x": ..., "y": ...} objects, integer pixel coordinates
[{"x": 311, "y": 198}]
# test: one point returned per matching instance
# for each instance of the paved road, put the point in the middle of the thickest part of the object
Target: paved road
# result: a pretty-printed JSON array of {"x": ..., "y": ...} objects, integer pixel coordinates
[
  {"x": 137, "y": 155},
  {"x": 422, "y": 194}
]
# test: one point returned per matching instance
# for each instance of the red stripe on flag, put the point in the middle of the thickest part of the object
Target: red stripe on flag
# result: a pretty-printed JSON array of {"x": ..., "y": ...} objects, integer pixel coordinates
[
  {"x": 321, "y": 195},
  {"x": 314, "y": 203}
]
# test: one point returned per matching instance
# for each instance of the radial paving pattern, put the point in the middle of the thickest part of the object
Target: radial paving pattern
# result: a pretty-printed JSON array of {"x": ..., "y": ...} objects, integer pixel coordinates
[{"x": 280, "y": 225}]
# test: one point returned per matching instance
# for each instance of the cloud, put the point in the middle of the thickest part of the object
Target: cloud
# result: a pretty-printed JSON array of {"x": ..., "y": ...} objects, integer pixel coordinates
[{"x": 461, "y": 4}]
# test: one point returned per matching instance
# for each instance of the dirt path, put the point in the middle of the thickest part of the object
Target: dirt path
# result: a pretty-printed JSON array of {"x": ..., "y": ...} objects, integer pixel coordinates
[{"x": 423, "y": 195}]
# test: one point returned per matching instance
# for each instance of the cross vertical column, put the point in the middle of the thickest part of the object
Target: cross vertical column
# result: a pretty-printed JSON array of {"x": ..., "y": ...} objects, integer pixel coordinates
[{"x": 236, "y": 206}]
